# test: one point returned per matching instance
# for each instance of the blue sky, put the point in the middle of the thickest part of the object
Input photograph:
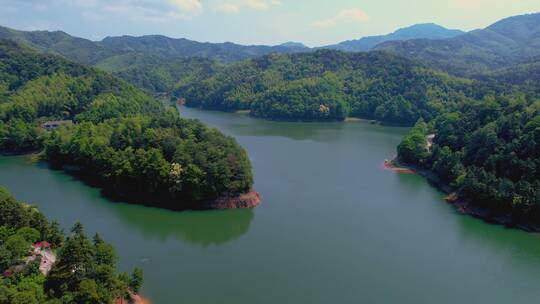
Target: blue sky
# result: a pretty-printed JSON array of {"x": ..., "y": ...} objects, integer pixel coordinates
[{"x": 314, "y": 22}]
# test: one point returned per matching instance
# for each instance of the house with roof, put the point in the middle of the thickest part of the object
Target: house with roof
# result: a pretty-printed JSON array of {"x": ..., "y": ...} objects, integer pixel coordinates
[{"x": 51, "y": 125}]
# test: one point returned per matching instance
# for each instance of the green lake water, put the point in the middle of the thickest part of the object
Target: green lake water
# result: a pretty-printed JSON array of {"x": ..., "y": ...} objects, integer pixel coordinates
[{"x": 334, "y": 227}]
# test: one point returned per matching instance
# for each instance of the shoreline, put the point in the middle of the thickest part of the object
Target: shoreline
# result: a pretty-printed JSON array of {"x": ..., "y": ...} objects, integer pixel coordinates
[
  {"x": 247, "y": 200},
  {"x": 464, "y": 207}
]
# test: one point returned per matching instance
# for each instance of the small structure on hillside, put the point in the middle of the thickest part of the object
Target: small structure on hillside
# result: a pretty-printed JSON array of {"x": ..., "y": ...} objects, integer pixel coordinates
[
  {"x": 51, "y": 125},
  {"x": 42, "y": 245},
  {"x": 429, "y": 141},
  {"x": 48, "y": 258}
]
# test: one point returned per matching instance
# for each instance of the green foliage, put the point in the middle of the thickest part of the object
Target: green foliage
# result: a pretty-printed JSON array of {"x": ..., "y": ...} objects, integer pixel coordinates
[
  {"x": 84, "y": 272},
  {"x": 412, "y": 148},
  {"x": 489, "y": 150},
  {"x": 30, "y": 235},
  {"x": 24, "y": 221},
  {"x": 129, "y": 143},
  {"x": 158, "y": 76},
  {"x": 328, "y": 85},
  {"x": 135, "y": 157},
  {"x": 136, "y": 280}
]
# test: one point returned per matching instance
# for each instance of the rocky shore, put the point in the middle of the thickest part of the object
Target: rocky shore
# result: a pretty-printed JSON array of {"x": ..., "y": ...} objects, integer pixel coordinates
[
  {"x": 466, "y": 208},
  {"x": 246, "y": 200},
  {"x": 133, "y": 299}
]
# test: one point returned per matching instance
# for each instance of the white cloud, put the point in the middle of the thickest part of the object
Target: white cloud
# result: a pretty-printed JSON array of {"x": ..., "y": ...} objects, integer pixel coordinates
[
  {"x": 258, "y": 4},
  {"x": 187, "y": 5},
  {"x": 229, "y": 8},
  {"x": 140, "y": 10},
  {"x": 354, "y": 15},
  {"x": 237, "y": 6}
]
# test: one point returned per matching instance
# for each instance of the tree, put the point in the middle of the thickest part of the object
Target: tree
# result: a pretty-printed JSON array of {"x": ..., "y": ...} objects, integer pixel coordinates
[
  {"x": 104, "y": 253},
  {"x": 412, "y": 148},
  {"x": 74, "y": 261},
  {"x": 30, "y": 235},
  {"x": 136, "y": 280}
]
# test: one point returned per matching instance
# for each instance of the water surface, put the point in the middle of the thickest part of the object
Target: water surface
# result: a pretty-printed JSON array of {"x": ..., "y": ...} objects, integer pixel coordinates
[{"x": 333, "y": 227}]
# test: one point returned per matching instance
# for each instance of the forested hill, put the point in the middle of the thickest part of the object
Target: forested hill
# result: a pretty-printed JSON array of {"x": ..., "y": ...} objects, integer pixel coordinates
[
  {"x": 84, "y": 270},
  {"x": 159, "y": 76},
  {"x": 128, "y": 143},
  {"x": 489, "y": 152},
  {"x": 113, "y": 49},
  {"x": 527, "y": 73},
  {"x": 328, "y": 85},
  {"x": 508, "y": 42}
]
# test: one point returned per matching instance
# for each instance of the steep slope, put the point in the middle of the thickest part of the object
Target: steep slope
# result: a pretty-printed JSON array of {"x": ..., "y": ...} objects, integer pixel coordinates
[
  {"x": 508, "y": 42},
  {"x": 418, "y": 31}
]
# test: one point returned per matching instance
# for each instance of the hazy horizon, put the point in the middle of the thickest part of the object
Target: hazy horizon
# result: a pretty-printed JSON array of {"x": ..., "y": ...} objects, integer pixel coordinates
[{"x": 271, "y": 22}]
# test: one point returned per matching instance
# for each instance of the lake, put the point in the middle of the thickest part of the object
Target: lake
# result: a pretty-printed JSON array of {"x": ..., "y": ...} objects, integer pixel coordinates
[{"x": 334, "y": 227}]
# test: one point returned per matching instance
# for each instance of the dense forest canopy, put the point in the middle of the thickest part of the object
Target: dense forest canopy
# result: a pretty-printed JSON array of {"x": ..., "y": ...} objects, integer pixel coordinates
[
  {"x": 328, "y": 85},
  {"x": 130, "y": 144},
  {"x": 488, "y": 150},
  {"x": 84, "y": 271},
  {"x": 159, "y": 76}
]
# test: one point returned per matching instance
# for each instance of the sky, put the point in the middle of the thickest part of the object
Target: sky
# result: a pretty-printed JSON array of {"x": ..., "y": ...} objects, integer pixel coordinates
[{"x": 312, "y": 22}]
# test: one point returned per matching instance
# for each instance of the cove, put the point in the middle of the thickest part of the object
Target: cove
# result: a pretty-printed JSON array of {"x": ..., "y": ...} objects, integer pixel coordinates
[{"x": 333, "y": 227}]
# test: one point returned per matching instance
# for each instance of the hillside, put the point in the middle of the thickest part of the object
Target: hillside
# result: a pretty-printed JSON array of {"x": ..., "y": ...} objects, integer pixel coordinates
[
  {"x": 508, "y": 42},
  {"x": 328, "y": 85},
  {"x": 418, "y": 31},
  {"x": 117, "y": 137},
  {"x": 488, "y": 152},
  {"x": 156, "y": 75},
  {"x": 83, "y": 271},
  {"x": 527, "y": 73}
]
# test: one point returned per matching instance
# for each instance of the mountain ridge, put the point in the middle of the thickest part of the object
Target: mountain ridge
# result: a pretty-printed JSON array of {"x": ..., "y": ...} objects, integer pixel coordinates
[
  {"x": 93, "y": 52},
  {"x": 507, "y": 42},
  {"x": 422, "y": 30}
]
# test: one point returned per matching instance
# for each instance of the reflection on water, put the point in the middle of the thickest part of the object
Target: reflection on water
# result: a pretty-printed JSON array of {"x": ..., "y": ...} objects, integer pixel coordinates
[
  {"x": 197, "y": 227},
  {"x": 243, "y": 125},
  {"x": 66, "y": 194},
  {"x": 473, "y": 231}
]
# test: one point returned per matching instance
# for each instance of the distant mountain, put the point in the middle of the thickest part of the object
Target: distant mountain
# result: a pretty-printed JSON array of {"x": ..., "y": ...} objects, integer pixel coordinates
[
  {"x": 418, "y": 31},
  {"x": 93, "y": 52},
  {"x": 508, "y": 42},
  {"x": 182, "y": 48},
  {"x": 293, "y": 44}
]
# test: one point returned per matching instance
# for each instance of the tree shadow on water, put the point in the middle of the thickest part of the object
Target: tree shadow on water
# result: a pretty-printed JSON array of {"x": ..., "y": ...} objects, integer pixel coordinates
[{"x": 203, "y": 228}]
